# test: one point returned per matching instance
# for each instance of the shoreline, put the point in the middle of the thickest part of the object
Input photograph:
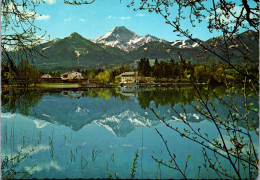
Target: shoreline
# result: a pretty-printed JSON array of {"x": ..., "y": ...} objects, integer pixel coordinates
[{"x": 79, "y": 86}]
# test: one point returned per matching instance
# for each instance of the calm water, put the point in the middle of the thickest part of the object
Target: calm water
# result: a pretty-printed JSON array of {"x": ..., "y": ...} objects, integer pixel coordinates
[{"x": 93, "y": 132}]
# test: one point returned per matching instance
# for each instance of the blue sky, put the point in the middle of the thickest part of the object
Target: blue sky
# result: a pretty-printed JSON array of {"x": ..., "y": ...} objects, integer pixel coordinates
[{"x": 92, "y": 21}]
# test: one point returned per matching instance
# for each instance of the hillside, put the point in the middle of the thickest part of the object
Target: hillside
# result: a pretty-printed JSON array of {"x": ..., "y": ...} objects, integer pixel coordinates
[{"x": 77, "y": 51}]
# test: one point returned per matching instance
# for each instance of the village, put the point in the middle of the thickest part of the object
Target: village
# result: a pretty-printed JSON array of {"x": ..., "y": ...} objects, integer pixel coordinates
[{"x": 126, "y": 78}]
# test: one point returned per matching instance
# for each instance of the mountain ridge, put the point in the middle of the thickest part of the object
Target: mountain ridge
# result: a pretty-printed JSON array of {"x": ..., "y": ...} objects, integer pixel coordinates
[{"x": 75, "y": 50}]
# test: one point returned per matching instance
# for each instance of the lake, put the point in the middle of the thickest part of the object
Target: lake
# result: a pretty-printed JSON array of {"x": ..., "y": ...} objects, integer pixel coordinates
[{"x": 89, "y": 133}]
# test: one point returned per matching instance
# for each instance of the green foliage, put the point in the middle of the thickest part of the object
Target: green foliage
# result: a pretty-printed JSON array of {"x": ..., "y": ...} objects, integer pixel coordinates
[
  {"x": 201, "y": 73},
  {"x": 24, "y": 75},
  {"x": 134, "y": 166},
  {"x": 144, "y": 68},
  {"x": 103, "y": 77},
  {"x": 219, "y": 75},
  {"x": 9, "y": 164},
  {"x": 91, "y": 76},
  {"x": 117, "y": 79},
  {"x": 22, "y": 100}
]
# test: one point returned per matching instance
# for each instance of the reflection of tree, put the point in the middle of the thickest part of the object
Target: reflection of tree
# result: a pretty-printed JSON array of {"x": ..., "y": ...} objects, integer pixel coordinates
[
  {"x": 104, "y": 93},
  {"x": 24, "y": 99},
  {"x": 98, "y": 93},
  {"x": 21, "y": 100},
  {"x": 171, "y": 96},
  {"x": 144, "y": 99}
]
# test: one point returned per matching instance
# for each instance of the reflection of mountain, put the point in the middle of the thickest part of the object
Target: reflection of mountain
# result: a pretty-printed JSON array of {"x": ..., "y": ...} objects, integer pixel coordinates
[
  {"x": 120, "y": 117},
  {"x": 125, "y": 122},
  {"x": 110, "y": 109}
]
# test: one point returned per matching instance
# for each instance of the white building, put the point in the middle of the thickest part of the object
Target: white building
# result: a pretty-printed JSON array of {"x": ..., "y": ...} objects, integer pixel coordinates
[
  {"x": 71, "y": 75},
  {"x": 129, "y": 77},
  {"x": 45, "y": 76}
]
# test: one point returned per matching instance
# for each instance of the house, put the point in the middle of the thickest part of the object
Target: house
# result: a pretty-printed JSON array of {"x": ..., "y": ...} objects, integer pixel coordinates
[
  {"x": 129, "y": 77},
  {"x": 45, "y": 76},
  {"x": 71, "y": 75}
]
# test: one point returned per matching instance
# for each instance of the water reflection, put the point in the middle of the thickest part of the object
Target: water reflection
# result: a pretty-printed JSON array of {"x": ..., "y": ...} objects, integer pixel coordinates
[
  {"x": 24, "y": 99},
  {"x": 118, "y": 110},
  {"x": 88, "y": 133}
]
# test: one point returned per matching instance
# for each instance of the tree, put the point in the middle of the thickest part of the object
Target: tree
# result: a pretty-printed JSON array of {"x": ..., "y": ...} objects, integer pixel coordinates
[
  {"x": 144, "y": 67},
  {"x": 91, "y": 76},
  {"x": 19, "y": 33},
  {"x": 219, "y": 74},
  {"x": 201, "y": 73},
  {"x": 103, "y": 77},
  {"x": 28, "y": 73},
  {"x": 117, "y": 79},
  {"x": 156, "y": 70}
]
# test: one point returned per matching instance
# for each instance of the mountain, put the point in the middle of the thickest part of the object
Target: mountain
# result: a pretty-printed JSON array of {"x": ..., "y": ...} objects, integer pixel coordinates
[
  {"x": 124, "y": 39},
  {"x": 75, "y": 50}
]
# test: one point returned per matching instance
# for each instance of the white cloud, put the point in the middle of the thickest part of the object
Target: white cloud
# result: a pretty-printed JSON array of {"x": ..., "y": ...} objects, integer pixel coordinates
[
  {"x": 69, "y": 19},
  {"x": 44, "y": 166},
  {"x": 109, "y": 17},
  {"x": 140, "y": 15},
  {"x": 36, "y": 149},
  {"x": 42, "y": 17},
  {"x": 50, "y": 1},
  {"x": 83, "y": 20},
  {"x": 125, "y": 18},
  {"x": 33, "y": 15},
  {"x": 38, "y": 123}
]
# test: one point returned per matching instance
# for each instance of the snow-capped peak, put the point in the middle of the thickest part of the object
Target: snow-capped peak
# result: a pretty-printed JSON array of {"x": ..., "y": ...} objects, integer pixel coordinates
[{"x": 125, "y": 39}]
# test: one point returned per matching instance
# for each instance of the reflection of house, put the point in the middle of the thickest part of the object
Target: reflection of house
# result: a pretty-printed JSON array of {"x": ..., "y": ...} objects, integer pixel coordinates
[
  {"x": 71, "y": 75},
  {"x": 129, "y": 94},
  {"x": 72, "y": 94},
  {"x": 129, "y": 77},
  {"x": 45, "y": 76},
  {"x": 130, "y": 91},
  {"x": 149, "y": 79}
]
